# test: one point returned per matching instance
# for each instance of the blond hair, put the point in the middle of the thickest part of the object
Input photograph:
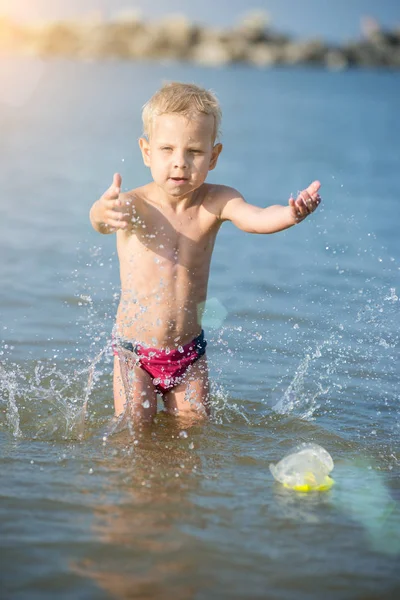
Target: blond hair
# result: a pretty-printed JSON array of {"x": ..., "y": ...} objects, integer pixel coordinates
[{"x": 184, "y": 99}]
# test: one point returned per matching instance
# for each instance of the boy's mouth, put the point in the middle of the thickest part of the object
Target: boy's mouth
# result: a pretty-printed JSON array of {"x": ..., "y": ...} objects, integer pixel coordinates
[{"x": 178, "y": 179}]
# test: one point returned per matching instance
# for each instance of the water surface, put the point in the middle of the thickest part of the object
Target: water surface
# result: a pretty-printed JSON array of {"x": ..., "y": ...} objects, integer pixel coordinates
[{"x": 303, "y": 333}]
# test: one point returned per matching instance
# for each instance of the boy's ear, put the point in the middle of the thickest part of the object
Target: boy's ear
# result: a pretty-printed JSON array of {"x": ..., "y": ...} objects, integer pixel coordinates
[
  {"x": 216, "y": 151},
  {"x": 145, "y": 149}
]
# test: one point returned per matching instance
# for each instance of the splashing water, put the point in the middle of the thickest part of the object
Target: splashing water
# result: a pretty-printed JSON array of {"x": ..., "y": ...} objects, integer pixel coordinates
[
  {"x": 48, "y": 401},
  {"x": 358, "y": 350},
  {"x": 8, "y": 389},
  {"x": 224, "y": 409},
  {"x": 295, "y": 398}
]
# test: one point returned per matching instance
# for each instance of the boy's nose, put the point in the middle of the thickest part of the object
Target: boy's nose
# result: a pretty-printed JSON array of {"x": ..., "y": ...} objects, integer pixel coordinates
[{"x": 180, "y": 161}]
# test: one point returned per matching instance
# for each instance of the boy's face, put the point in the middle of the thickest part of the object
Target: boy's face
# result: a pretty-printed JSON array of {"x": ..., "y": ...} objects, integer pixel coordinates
[{"x": 180, "y": 152}]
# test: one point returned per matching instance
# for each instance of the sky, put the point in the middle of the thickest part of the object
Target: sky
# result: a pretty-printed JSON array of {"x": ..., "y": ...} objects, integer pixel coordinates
[{"x": 334, "y": 20}]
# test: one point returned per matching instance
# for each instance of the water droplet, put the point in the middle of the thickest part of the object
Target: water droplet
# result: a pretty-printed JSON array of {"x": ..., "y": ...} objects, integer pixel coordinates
[
  {"x": 191, "y": 446},
  {"x": 183, "y": 434},
  {"x": 146, "y": 404}
]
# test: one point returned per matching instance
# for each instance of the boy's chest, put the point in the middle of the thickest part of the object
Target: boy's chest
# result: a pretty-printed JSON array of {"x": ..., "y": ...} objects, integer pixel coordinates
[{"x": 188, "y": 232}]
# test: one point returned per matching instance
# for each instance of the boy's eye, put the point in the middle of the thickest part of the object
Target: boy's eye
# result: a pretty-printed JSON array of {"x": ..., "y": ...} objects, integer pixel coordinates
[
  {"x": 194, "y": 151},
  {"x": 166, "y": 148}
]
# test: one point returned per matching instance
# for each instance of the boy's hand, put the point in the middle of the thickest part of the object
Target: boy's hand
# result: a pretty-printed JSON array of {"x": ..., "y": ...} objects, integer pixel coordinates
[
  {"x": 116, "y": 214},
  {"x": 306, "y": 202}
]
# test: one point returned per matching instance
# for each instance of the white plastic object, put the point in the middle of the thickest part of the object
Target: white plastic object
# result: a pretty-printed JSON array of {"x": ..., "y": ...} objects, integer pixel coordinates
[{"x": 305, "y": 469}]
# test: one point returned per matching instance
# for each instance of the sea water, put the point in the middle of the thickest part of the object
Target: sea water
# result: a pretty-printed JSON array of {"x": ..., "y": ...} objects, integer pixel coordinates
[{"x": 303, "y": 343}]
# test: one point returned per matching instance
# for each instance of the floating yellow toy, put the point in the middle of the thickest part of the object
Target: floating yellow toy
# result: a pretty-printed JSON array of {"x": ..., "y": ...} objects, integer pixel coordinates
[{"x": 305, "y": 469}]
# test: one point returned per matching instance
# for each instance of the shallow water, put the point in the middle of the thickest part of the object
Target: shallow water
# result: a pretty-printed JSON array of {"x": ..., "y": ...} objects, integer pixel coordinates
[{"x": 303, "y": 331}]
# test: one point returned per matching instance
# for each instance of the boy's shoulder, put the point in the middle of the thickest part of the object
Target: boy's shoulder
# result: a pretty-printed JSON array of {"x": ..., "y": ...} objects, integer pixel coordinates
[
  {"x": 221, "y": 192},
  {"x": 138, "y": 198},
  {"x": 216, "y": 196},
  {"x": 139, "y": 193}
]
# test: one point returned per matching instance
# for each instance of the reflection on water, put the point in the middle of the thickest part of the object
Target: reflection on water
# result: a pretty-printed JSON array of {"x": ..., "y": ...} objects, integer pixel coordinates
[
  {"x": 365, "y": 497},
  {"x": 143, "y": 550}
]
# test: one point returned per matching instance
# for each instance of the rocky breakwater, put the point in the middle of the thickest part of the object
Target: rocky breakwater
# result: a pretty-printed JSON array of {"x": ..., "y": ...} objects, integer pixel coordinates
[{"x": 253, "y": 42}]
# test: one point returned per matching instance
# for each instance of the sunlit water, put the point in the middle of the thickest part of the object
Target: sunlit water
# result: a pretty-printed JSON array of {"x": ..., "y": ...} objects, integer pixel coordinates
[{"x": 303, "y": 332}]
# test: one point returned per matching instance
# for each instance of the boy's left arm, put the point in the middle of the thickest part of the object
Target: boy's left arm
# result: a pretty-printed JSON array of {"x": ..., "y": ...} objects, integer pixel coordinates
[{"x": 273, "y": 218}]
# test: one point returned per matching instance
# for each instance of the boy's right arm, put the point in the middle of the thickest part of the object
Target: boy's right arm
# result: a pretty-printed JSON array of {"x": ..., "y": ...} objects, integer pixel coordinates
[{"x": 110, "y": 213}]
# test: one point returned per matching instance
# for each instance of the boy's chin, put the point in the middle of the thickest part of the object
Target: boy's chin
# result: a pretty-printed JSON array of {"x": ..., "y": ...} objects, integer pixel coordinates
[{"x": 177, "y": 190}]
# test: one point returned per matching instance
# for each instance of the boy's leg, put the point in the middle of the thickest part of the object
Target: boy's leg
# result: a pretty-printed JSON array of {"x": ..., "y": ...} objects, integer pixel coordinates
[
  {"x": 191, "y": 396},
  {"x": 133, "y": 390}
]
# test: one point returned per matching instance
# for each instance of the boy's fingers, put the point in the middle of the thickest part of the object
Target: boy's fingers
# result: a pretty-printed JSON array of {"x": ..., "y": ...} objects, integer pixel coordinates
[
  {"x": 295, "y": 207},
  {"x": 115, "y": 188},
  {"x": 117, "y": 180},
  {"x": 303, "y": 201},
  {"x": 116, "y": 223},
  {"x": 111, "y": 194},
  {"x": 111, "y": 203},
  {"x": 313, "y": 187},
  {"x": 306, "y": 201},
  {"x": 116, "y": 184}
]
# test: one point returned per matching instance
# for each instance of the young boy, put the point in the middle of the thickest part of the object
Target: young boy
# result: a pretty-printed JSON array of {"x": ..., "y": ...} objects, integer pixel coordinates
[{"x": 166, "y": 232}]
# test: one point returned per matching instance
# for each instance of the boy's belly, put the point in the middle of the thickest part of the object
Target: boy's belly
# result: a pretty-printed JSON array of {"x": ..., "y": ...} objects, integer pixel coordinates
[
  {"x": 160, "y": 319},
  {"x": 162, "y": 299}
]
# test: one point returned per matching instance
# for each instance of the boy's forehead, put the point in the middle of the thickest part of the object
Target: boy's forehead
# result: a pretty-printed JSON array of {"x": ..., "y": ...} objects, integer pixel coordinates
[{"x": 194, "y": 126}]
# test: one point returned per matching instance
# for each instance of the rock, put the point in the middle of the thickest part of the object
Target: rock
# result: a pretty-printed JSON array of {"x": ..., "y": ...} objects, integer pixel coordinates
[
  {"x": 58, "y": 39},
  {"x": 265, "y": 55},
  {"x": 336, "y": 60},
  {"x": 117, "y": 42},
  {"x": 366, "y": 54},
  {"x": 253, "y": 27},
  {"x": 178, "y": 31},
  {"x": 369, "y": 27},
  {"x": 212, "y": 53},
  {"x": 375, "y": 34},
  {"x": 128, "y": 16},
  {"x": 175, "y": 37},
  {"x": 312, "y": 51},
  {"x": 12, "y": 36}
]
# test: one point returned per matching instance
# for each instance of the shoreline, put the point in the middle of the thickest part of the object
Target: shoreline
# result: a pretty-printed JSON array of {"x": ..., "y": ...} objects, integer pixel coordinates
[{"x": 253, "y": 42}]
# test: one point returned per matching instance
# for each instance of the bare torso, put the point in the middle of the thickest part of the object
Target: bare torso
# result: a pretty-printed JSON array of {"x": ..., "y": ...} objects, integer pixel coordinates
[{"x": 164, "y": 272}]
